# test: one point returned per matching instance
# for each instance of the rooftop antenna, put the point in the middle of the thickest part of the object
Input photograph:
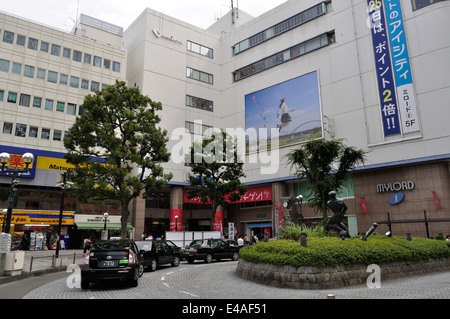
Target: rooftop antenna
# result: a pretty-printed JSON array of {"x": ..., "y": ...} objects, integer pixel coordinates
[{"x": 232, "y": 12}]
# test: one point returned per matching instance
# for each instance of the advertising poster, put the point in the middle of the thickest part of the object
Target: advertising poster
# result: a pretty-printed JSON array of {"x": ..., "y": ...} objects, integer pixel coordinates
[{"x": 291, "y": 110}]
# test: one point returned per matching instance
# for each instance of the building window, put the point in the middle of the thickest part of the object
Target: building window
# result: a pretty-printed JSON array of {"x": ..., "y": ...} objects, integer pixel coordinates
[
  {"x": 71, "y": 108},
  {"x": 87, "y": 58},
  {"x": 95, "y": 86},
  {"x": 74, "y": 82},
  {"x": 44, "y": 46},
  {"x": 106, "y": 64},
  {"x": 37, "y": 101},
  {"x": 40, "y": 74},
  {"x": 199, "y": 129},
  {"x": 97, "y": 61},
  {"x": 7, "y": 128},
  {"x": 284, "y": 26},
  {"x": 200, "y": 49},
  {"x": 52, "y": 76},
  {"x": 60, "y": 106},
  {"x": 33, "y": 44},
  {"x": 57, "y": 135},
  {"x": 12, "y": 97},
  {"x": 116, "y": 66},
  {"x": 8, "y": 37},
  {"x": 4, "y": 65},
  {"x": 63, "y": 79},
  {"x": 85, "y": 84},
  {"x": 56, "y": 50},
  {"x": 45, "y": 134},
  {"x": 21, "y": 130},
  {"x": 77, "y": 55},
  {"x": 16, "y": 68},
  {"x": 298, "y": 50},
  {"x": 2, "y": 94},
  {"x": 48, "y": 104},
  {"x": 66, "y": 53},
  {"x": 20, "y": 40},
  {"x": 419, "y": 4},
  {"x": 33, "y": 132},
  {"x": 28, "y": 71},
  {"x": 199, "y": 103},
  {"x": 25, "y": 100},
  {"x": 200, "y": 76}
]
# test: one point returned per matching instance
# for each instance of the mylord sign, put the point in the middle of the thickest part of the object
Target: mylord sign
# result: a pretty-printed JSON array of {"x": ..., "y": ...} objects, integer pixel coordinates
[{"x": 395, "y": 187}]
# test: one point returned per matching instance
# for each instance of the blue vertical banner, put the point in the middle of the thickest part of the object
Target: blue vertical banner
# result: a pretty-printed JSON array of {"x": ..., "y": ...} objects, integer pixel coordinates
[
  {"x": 383, "y": 66},
  {"x": 402, "y": 69}
]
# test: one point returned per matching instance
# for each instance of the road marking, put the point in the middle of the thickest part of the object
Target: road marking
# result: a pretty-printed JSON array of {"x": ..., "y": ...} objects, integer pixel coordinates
[{"x": 188, "y": 293}]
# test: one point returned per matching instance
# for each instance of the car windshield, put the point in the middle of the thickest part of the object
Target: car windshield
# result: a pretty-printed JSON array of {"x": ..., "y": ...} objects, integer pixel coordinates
[
  {"x": 112, "y": 244},
  {"x": 199, "y": 242},
  {"x": 144, "y": 245}
]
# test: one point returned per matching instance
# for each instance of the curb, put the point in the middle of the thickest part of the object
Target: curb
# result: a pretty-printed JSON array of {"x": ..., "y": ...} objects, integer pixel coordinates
[{"x": 24, "y": 275}]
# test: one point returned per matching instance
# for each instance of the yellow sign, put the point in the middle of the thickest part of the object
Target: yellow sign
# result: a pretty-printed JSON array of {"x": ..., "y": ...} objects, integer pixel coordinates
[
  {"x": 38, "y": 217},
  {"x": 57, "y": 164}
]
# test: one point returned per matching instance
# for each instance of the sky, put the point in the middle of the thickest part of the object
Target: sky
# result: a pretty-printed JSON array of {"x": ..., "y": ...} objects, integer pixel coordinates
[{"x": 61, "y": 14}]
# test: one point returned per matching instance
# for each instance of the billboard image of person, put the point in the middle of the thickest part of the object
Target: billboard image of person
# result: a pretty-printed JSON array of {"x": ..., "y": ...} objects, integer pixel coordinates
[{"x": 291, "y": 108}]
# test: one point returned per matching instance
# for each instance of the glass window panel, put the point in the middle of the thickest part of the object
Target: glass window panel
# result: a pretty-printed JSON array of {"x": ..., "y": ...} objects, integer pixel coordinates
[
  {"x": 4, "y": 65},
  {"x": 45, "y": 134},
  {"x": 95, "y": 86},
  {"x": 106, "y": 64},
  {"x": 21, "y": 130},
  {"x": 66, "y": 53},
  {"x": 12, "y": 97},
  {"x": 37, "y": 101},
  {"x": 25, "y": 100},
  {"x": 33, "y": 131},
  {"x": 77, "y": 55},
  {"x": 44, "y": 46},
  {"x": 57, "y": 135},
  {"x": 7, "y": 128},
  {"x": 2, "y": 94},
  {"x": 40, "y": 74},
  {"x": 33, "y": 44},
  {"x": 63, "y": 79},
  {"x": 16, "y": 68},
  {"x": 49, "y": 104},
  {"x": 52, "y": 76},
  {"x": 8, "y": 37},
  {"x": 74, "y": 82},
  {"x": 97, "y": 61},
  {"x": 71, "y": 109},
  {"x": 29, "y": 71},
  {"x": 85, "y": 84},
  {"x": 116, "y": 66},
  {"x": 87, "y": 58},
  {"x": 56, "y": 50},
  {"x": 20, "y": 40},
  {"x": 60, "y": 106}
]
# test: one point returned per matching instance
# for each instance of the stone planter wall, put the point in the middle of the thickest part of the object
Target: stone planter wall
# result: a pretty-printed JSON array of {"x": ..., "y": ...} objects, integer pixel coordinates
[{"x": 332, "y": 277}]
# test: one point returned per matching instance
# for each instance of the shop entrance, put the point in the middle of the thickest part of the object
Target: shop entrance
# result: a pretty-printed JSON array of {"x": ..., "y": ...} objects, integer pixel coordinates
[{"x": 259, "y": 230}]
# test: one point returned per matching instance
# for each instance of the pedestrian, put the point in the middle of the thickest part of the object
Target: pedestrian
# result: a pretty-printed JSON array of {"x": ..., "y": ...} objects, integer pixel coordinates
[
  {"x": 246, "y": 240},
  {"x": 447, "y": 238},
  {"x": 87, "y": 245},
  {"x": 240, "y": 241}
]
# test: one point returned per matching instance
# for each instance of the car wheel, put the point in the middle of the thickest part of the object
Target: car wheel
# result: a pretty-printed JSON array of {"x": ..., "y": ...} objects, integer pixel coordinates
[
  {"x": 208, "y": 258},
  {"x": 176, "y": 261},
  {"x": 141, "y": 270},
  {"x": 235, "y": 256},
  {"x": 153, "y": 265}
]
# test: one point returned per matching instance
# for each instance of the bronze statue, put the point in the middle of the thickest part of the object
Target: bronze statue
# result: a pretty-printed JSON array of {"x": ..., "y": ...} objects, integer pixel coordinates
[{"x": 338, "y": 207}]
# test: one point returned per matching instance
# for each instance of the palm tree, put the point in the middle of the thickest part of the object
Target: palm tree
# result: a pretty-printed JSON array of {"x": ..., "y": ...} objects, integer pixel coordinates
[{"x": 326, "y": 165}]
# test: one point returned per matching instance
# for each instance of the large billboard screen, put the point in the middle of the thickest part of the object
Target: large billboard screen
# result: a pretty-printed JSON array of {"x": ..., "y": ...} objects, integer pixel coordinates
[{"x": 289, "y": 111}]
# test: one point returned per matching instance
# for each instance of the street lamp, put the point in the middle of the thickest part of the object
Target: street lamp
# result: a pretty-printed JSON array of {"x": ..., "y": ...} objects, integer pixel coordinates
[
  {"x": 299, "y": 199},
  {"x": 105, "y": 215},
  {"x": 5, "y": 158},
  {"x": 64, "y": 184},
  {"x": 176, "y": 222}
]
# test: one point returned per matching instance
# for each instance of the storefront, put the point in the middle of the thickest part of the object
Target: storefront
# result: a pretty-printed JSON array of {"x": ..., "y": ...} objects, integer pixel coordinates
[{"x": 37, "y": 230}]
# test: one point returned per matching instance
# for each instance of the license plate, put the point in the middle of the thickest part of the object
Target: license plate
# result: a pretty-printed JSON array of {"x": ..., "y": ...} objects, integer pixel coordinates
[{"x": 108, "y": 263}]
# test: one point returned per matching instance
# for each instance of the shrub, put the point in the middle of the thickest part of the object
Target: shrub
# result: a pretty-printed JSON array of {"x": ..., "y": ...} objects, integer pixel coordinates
[{"x": 332, "y": 251}]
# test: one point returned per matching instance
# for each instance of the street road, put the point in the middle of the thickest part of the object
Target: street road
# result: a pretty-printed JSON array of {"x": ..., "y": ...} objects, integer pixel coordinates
[{"x": 217, "y": 280}]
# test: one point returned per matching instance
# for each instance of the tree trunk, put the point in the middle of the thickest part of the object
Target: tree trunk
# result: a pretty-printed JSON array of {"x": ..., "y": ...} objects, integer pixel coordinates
[{"x": 124, "y": 219}]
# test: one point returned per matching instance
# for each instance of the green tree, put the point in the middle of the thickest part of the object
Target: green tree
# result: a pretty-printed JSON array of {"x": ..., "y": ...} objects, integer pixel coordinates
[
  {"x": 326, "y": 166},
  {"x": 216, "y": 171},
  {"x": 117, "y": 148}
]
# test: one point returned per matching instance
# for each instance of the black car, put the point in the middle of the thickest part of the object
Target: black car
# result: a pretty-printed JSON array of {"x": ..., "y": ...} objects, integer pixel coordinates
[
  {"x": 112, "y": 259},
  {"x": 159, "y": 252},
  {"x": 209, "y": 249}
]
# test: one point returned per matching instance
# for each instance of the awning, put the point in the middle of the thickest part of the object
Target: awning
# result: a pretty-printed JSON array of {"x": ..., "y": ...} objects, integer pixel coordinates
[
  {"x": 97, "y": 226},
  {"x": 262, "y": 225}
]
